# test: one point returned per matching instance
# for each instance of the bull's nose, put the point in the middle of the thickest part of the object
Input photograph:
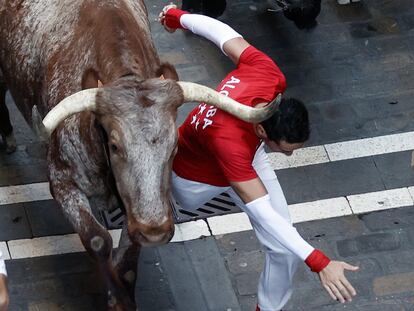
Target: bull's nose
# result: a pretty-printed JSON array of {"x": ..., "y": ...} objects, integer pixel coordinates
[
  {"x": 148, "y": 235},
  {"x": 150, "y": 239}
]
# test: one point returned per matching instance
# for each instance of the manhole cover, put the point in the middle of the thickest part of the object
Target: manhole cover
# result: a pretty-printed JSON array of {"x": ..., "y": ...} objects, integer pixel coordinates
[{"x": 220, "y": 205}]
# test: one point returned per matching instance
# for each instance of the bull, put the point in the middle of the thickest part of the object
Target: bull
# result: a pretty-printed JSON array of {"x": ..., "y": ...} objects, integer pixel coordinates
[
  {"x": 302, "y": 12},
  {"x": 112, "y": 145}
]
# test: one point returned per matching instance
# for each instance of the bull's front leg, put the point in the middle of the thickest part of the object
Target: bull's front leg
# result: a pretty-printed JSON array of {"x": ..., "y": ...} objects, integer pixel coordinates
[
  {"x": 6, "y": 129},
  {"x": 95, "y": 238},
  {"x": 126, "y": 261}
]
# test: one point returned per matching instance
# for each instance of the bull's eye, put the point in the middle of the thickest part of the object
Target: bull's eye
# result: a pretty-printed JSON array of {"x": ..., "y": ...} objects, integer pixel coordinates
[
  {"x": 114, "y": 148},
  {"x": 154, "y": 140}
]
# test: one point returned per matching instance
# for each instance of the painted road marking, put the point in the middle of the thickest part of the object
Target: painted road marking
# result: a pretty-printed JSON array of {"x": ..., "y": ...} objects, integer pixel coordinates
[
  {"x": 380, "y": 200},
  {"x": 302, "y": 157},
  {"x": 301, "y": 212},
  {"x": 344, "y": 150},
  {"x": 25, "y": 193},
  {"x": 333, "y": 207},
  {"x": 4, "y": 250}
]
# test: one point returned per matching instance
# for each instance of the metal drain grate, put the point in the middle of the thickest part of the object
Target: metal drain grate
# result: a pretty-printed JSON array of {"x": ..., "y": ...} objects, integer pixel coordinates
[{"x": 220, "y": 205}]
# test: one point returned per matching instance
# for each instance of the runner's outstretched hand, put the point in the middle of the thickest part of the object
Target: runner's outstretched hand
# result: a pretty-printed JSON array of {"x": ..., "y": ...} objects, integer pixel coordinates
[{"x": 335, "y": 282}]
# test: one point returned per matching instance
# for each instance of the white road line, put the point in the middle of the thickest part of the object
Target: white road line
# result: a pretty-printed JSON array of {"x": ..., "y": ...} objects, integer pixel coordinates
[
  {"x": 190, "y": 231},
  {"x": 321, "y": 209},
  {"x": 229, "y": 223},
  {"x": 305, "y": 156},
  {"x": 301, "y": 157},
  {"x": 344, "y": 150},
  {"x": 45, "y": 246},
  {"x": 411, "y": 191},
  {"x": 4, "y": 250},
  {"x": 334, "y": 207},
  {"x": 70, "y": 243},
  {"x": 370, "y": 146},
  {"x": 25, "y": 193},
  {"x": 380, "y": 200},
  {"x": 301, "y": 212}
]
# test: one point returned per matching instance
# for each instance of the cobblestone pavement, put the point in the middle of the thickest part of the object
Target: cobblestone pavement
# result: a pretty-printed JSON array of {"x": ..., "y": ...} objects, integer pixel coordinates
[{"x": 355, "y": 73}]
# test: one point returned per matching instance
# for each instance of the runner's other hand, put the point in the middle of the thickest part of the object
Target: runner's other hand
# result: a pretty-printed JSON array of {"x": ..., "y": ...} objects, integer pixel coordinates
[
  {"x": 161, "y": 16},
  {"x": 334, "y": 281}
]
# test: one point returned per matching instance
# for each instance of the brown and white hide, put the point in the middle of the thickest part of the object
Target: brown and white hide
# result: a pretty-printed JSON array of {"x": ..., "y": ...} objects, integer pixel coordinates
[{"x": 52, "y": 49}]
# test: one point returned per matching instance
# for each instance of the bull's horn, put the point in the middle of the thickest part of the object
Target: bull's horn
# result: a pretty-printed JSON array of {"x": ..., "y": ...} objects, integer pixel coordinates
[
  {"x": 200, "y": 93},
  {"x": 78, "y": 102}
]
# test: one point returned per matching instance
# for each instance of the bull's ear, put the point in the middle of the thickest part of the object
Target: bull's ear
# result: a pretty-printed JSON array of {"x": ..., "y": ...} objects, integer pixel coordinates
[{"x": 167, "y": 71}]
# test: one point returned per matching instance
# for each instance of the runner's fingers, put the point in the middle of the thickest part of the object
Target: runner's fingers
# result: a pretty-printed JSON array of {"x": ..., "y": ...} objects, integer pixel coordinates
[
  {"x": 167, "y": 7},
  {"x": 330, "y": 292},
  {"x": 344, "y": 291},
  {"x": 348, "y": 286},
  {"x": 336, "y": 292},
  {"x": 161, "y": 17}
]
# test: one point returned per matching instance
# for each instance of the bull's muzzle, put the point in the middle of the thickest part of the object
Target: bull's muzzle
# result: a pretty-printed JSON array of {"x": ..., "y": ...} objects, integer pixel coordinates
[{"x": 151, "y": 235}]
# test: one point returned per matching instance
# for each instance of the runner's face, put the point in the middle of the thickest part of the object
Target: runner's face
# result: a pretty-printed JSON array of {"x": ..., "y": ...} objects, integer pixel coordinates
[{"x": 282, "y": 146}]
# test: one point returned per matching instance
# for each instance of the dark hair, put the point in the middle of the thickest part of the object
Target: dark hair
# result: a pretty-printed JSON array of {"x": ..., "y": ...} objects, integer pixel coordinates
[
  {"x": 289, "y": 123},
  {"x": 303, "y": 12}
]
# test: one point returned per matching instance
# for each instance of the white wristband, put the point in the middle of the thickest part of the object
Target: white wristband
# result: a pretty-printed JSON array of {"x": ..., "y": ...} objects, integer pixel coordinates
[
  {"x": 277, "y": 228},
  {"x": 209, "y": 28}
]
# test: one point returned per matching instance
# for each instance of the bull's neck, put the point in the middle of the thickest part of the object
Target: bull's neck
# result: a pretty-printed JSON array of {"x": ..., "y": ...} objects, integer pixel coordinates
[
  {"x": 127, "y": 65},
  {"x": 92, "y": 137},
  {"x": 130, "y": 55}
]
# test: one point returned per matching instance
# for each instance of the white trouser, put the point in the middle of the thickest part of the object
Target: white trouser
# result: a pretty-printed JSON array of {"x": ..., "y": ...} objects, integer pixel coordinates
[{"x": 275, "y": 284}]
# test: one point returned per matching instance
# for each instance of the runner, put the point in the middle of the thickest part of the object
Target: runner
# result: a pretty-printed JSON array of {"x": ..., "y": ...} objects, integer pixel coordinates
[{"x": 219, "y": 153}]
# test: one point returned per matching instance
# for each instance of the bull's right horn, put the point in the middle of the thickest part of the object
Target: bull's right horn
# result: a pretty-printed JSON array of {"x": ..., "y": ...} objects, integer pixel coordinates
[
  {"x": 78, "y": 102},
  {"x": 201, "y": 93}
]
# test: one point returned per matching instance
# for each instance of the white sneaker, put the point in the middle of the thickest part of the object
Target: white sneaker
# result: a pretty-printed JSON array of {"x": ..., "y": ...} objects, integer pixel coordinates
[{"x": 347, "y": 1}]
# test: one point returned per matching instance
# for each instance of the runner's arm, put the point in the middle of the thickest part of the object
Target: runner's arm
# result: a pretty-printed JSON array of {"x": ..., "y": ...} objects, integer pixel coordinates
[
  {"x": 227, "y": 39},
  {"x": 331, "y": 273}
]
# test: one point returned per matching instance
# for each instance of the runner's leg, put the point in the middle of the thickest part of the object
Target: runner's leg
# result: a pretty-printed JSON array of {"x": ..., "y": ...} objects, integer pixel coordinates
[
  {"x": 275, "y": 284},
  {"x": 191, "y": 194}
]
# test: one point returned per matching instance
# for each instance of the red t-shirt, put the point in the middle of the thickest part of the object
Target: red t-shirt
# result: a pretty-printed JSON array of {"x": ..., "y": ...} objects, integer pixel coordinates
[{"x": 215, "y": 147}]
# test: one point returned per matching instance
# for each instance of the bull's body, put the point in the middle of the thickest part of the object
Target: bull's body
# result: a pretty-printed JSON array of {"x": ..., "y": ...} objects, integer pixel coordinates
[
  {"x": 120, "y": 149},
  {"x": 52, "y": 49}
]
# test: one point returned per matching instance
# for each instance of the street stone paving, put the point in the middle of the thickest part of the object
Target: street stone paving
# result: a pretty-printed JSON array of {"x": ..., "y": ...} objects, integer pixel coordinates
[{"x": 355, "y": 73}]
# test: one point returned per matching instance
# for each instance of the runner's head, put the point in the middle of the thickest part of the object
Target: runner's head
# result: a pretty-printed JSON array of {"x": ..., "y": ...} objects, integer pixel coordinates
[{"x": 288, "y": 128}]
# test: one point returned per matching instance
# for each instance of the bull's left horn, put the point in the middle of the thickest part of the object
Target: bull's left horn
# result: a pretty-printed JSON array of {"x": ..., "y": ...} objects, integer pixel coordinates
[
  {"x": 78, "y": 102},
  {"x": 201, "y": 93}
]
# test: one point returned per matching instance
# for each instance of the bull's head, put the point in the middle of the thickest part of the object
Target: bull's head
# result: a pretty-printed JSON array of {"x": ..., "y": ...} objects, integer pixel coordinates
[{"x": 139, "y": 120}]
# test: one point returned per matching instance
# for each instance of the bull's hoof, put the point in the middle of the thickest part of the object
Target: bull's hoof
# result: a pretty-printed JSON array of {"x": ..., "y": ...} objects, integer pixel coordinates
[
  {"x": 130, "y": 277},
  {"x": 112, "y": 302},
  {"x": 120, "y": 303},
  {"x": 212, "y": 8},
  {"x": 10, "y": 142}
]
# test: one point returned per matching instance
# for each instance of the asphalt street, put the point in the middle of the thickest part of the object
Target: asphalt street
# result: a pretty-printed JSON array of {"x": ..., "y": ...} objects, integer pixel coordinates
[{"x": 351, "y": 192}]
